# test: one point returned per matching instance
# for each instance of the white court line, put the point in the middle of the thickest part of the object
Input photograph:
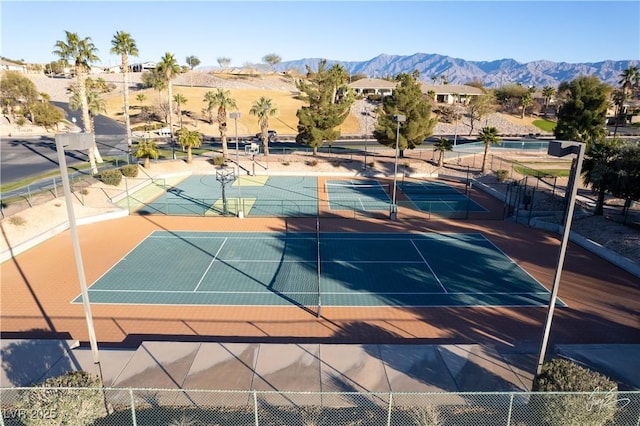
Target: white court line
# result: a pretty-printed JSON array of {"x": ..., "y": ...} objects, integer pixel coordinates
[
  {"x": 429, "y": 266},
  {"x": 210, "y": 265}
]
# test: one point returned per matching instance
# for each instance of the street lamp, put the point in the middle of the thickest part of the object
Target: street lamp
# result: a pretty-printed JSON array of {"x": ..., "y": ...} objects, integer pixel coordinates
[
  {"x": 235, "y": 116},
  {"x": 398, "y": 118},
  {"x": 561, "y": 149},
  {"x": 77, "y": 141}
]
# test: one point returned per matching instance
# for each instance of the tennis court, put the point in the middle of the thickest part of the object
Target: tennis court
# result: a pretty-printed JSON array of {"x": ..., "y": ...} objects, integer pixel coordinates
[
  {"x": 202, "y": 195},
  {"x": 438, "y": 197},
  {"x": 357, "y": 195},
  {"x": 317, "y": 269}
]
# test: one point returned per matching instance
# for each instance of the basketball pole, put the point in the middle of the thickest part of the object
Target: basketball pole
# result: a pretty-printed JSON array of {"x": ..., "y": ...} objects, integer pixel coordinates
[
  {"x": 556, "y": 149},
  {"x": 77, "y": 141}
]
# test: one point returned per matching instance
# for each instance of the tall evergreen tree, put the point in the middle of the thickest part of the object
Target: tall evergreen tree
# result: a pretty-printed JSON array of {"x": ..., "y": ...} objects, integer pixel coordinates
[
  {"x": 329, "y": 101},
  {"x": 407, "y": 99},
  {"x": 582, "y": 117}
]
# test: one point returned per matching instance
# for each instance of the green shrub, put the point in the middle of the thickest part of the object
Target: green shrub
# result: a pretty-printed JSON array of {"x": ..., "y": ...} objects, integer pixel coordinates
[
  {"x": 130, "y": 170},
  {"x": 111, "y": 177},
  {"x": 502, "y": 175},
  {"x": 596, "y": 406},
  {"x": 218, "y": 160},
  {"x": 52, "y": 404}
]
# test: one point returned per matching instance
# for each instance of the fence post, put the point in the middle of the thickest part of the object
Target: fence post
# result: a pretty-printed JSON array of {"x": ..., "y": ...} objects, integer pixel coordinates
[
  {"x": 510, "y": 410},
  {"x": 55, "y": 188},
  {"x": 126, "y": 189},
  {"x": 255, "y": 407},
  {"x": 389, "y": 411},
  {"x": 133, "y": 407}
]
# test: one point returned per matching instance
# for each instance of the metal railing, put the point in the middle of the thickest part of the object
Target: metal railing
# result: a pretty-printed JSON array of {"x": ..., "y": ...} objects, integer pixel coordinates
[{"x": 136, "y": 406}]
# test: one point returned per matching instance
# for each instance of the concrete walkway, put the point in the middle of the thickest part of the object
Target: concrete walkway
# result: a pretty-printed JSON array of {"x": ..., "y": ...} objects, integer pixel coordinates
[{"x": 275, "y": 367}]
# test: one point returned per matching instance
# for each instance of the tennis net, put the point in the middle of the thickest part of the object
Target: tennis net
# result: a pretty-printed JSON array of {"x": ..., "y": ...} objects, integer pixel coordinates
[
  {"x": 428, "y": 188},
  {"x": 355, "y": 188}
]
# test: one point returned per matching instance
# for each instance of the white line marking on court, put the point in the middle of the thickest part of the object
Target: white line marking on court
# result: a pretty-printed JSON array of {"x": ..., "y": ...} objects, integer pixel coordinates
[
  {"x": 210, "y": 265},
  {"x": 429, "y": 266},
  {"x": 361, "y": 205}
]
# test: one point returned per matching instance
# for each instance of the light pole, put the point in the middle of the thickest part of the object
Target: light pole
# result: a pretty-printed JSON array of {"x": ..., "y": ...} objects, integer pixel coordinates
[
  {"x": 398, "y": 118},
  {"x": 561, "y": 149},
  {"x": 366, "y": 131},
  {"x": 235, "y": 116},
  {"x": 77, "y": 141}
]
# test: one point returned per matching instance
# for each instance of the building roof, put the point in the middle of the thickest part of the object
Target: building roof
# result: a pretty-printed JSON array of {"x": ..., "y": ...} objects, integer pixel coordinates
[
  {"x": 373, "y": 83},
  {"x": 450, "y": 89}
]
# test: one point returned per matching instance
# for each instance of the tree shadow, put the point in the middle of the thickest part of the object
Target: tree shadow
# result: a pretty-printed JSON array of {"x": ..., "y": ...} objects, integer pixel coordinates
[{"x": 28, "y": 362}]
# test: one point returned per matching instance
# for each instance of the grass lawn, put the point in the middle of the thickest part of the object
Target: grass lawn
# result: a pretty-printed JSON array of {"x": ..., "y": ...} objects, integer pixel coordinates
[
  {"x": 545, "y": 125},
  {"x": 536, "y": 172}
]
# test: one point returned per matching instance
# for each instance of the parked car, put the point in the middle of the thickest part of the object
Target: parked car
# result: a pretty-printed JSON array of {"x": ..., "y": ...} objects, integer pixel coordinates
[{"x": 271, "y": 135}]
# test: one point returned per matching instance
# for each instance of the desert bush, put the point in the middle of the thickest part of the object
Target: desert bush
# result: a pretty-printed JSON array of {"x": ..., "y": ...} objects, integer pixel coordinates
[
  {"x": 502, "y": 175},
  {"x": 371, "y": 164},
  {"x": 111, "y": 177},
  {"x": 55, "y": 403},
  {"x": 311, "y": 163},
  {"x": 286, "y": 163},
  {"x": 130, "y": 170},
  {"x": 218, "y": 160},
  {"x": 425, "y": 416},
  {"x": 590, "y": 399},
  {"x": 17, "y": 220}
]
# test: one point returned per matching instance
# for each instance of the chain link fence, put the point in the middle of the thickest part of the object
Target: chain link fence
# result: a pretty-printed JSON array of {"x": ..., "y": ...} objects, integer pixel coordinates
[{"x": 129, "y": 406}]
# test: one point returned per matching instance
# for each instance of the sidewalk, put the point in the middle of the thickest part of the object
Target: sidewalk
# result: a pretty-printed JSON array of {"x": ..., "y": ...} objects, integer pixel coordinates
[{"x": 276, "y": 367}]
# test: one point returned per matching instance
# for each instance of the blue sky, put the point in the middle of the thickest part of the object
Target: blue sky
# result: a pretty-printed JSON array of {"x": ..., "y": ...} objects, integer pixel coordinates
[{"x": 245, "y": 31}]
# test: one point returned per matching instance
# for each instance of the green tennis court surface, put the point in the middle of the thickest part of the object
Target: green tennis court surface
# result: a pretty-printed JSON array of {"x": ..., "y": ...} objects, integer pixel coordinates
[
  {"x": 438, "y": 197},
  {"x": 346, "y": 269},
  {"x": 201, "y": 195},
  {"x": 357, "y": 195}
]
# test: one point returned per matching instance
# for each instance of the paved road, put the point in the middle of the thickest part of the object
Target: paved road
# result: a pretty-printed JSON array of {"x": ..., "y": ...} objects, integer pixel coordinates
[{"x": 26, "y": 156}]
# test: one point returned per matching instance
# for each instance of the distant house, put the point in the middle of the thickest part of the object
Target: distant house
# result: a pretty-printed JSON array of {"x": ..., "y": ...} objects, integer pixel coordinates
[
  {"x": 450, "y": 93},
  {"x": 373, "y": 86},
  {"x": 12, "y": 66},
  {"x": 142, "y": 66}
]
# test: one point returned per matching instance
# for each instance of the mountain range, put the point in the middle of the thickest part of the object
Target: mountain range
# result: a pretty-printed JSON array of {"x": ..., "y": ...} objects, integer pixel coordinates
[{"x": 459, "y": 71}]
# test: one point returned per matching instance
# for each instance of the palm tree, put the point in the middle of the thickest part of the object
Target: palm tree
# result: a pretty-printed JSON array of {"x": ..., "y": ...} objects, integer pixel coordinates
[
  {"x": 190, "y": 139},
  {"x": 147, "y": 149},
  {"x": 168, "y": 68},
  {"x": 210, "y": 98},
  {"x": 263, "y": 109},
  {"x": 597, "y": 168},
  {"x": 141, "y": 97},
  {"x": 525, "y": 102},
  {"x": 547, "y": 94},
  {"x": 488, "y": 136},
  {"x": 223, "y": 100},
  {"x": 83, "y": 53},
  {"x": 95, "y": 103},
  {"x": 629, "y": 79},
  {"x": 180, "y": 100},
  {"x": 442, "y": 145},
  {"x": 123, "y": 45}
]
